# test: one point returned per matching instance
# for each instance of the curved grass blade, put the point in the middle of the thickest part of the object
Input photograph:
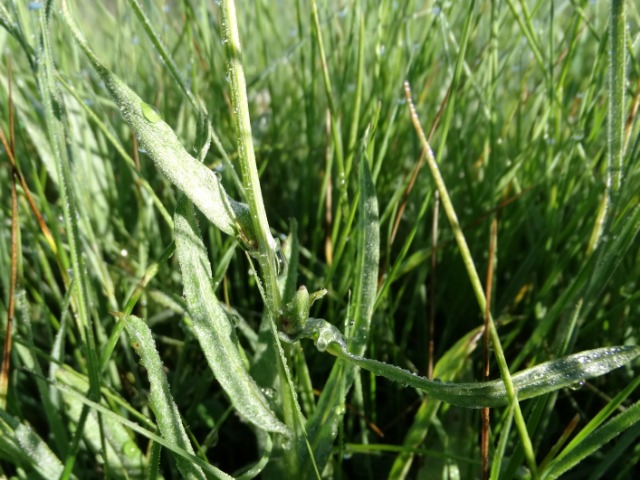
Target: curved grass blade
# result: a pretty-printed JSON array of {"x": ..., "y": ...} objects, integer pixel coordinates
[
  {"x": 213, "y": 329},
  {"x": 162, "y": 145},
  {"x": 162, "y": 403},
  {"x": 532, "y": 382}
]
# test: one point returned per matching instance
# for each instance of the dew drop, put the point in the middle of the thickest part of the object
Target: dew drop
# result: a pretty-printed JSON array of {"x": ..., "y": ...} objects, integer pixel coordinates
[
  {"x": 577, "y": 385},
  {"x": 150, "y": 113}
]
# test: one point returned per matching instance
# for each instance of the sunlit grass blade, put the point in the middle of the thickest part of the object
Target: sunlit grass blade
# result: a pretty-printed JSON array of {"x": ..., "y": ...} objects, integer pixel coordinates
[{"x": 576, "y": 444}]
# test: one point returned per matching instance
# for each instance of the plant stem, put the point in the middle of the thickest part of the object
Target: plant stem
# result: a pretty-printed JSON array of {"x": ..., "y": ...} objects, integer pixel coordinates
[
  {"x": 266, "y": 244},
  {"x": 476, "y": 284}
]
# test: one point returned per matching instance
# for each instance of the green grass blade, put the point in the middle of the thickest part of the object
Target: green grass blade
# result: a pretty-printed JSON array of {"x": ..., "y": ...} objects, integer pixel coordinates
[
  {"x": 24, "y": 447},
  {"x": 446, "y": 369},
  {"x": 617, "y": 81},
  {"x": 368, "y": 258},
  {"x": 113, "y": 417},
  {"x": 598, "y": 420},
  {"x": 117, "y": 447},
  {"x": 54, "y": 112},
  {"x": 594, "y": 442},
  {"x": 322, "y": 425},
  {"x": 212, "y": 327}
]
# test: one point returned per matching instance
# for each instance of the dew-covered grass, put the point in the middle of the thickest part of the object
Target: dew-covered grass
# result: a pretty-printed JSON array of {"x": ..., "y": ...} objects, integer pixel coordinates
[{"x": 303, "y": 239}]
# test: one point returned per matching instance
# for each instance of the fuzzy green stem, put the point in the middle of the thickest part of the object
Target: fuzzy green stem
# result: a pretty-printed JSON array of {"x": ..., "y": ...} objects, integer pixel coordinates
[{"x": 266, "y": 244}]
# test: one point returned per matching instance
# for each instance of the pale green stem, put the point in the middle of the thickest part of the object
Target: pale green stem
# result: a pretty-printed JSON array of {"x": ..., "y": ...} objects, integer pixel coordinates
[
  {"x": 476, "y": 284},
  {"x": 266, "y": 244}
]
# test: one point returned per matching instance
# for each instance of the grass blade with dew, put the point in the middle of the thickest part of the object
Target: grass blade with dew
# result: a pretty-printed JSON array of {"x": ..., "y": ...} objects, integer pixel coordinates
[
  {"x": 532, "y": 382},
  {"x": 212, "y": 472},
  {"x": 26, "y": 448},
  {"x": 56, "y": 128},
  {"x": 121, "y": 454},
  {"x": 322, "y": 426}
]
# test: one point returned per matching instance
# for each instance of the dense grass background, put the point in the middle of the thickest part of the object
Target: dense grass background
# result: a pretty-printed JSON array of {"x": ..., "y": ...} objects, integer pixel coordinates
[{"x": 519, "y": 125}]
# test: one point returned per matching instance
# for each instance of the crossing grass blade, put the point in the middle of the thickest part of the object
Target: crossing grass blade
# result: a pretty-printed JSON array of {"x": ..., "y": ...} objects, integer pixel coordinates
[{"x": 628, "y": 421}]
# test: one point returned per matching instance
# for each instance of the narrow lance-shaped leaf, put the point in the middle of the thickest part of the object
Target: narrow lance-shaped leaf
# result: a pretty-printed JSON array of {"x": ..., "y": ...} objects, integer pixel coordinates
[
  {"x": 165, "y": 409},
  {"x": 162, "y": 145},
  {"x": 213, "y": 329},
  {"x": 532, "y": 382}
]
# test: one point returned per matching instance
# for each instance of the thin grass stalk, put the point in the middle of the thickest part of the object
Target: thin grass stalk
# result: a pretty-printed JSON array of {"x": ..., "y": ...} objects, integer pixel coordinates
[
  {"x": 475, "y": 283},
  {"x": 355, "y": 119},
  {"x": 53, "y": 107},
  {"x": 335, "y": 116},
  {"x": 484, "y": 443},
  {"x": 13, "y": 277}
]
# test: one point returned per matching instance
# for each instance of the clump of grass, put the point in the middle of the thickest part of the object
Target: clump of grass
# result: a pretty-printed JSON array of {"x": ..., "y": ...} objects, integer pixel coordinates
[{"x": 170, "y": 316}]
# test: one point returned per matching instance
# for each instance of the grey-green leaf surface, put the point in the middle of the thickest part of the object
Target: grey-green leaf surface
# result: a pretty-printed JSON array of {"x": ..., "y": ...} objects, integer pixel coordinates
[
  {"x": 213, "y": 329},
  {"x": 162, "y": 145},
  {"x": 162, "y": 403},
  {"x": 532, "y": 382}
]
